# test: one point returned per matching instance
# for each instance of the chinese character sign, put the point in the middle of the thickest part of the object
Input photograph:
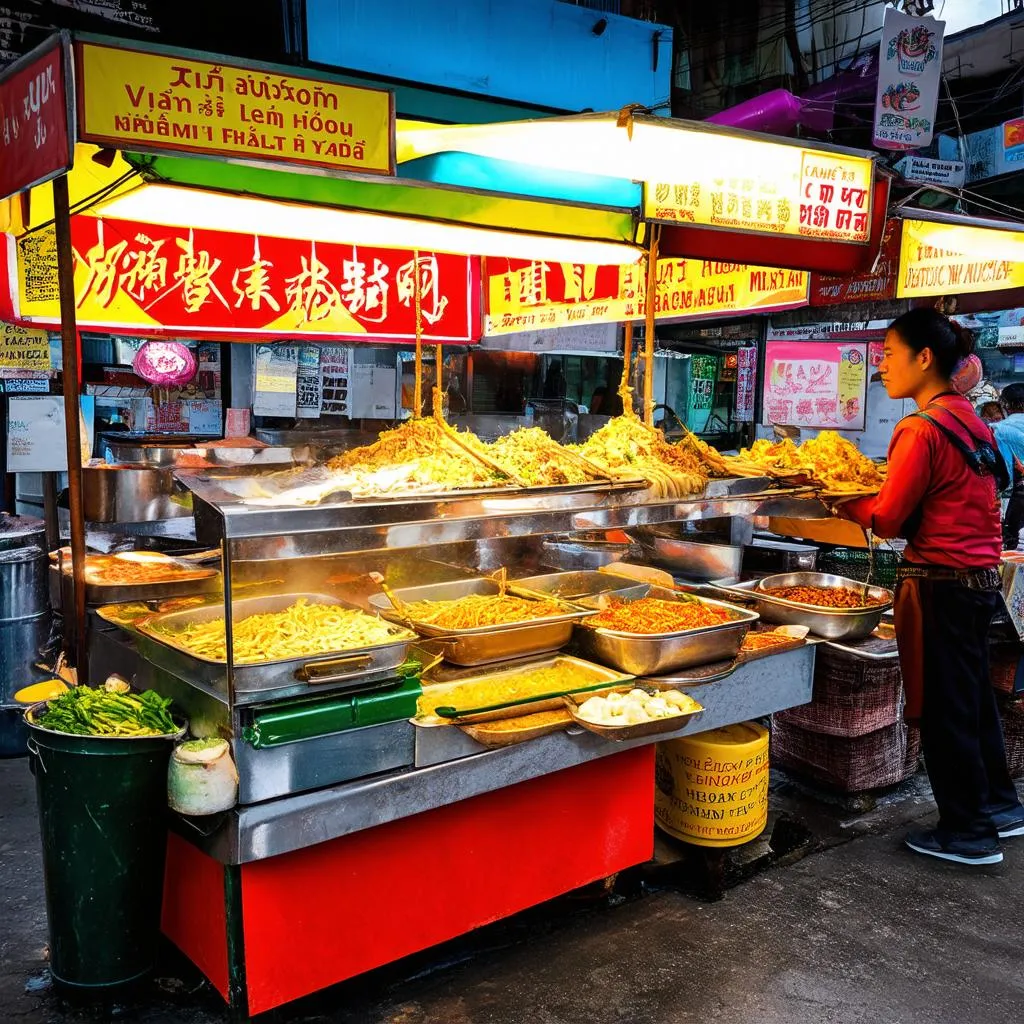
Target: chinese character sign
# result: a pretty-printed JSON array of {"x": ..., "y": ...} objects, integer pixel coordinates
[
  {"x": 158, "y": 101},
  {"x": 815, "y": 384},
  {"x": 130, "y": 274},
  {"x": 529, "y": 296},
  {"x": 909, "y": 73},
  {"x": 768, "y": 188},
  {"x": 34, "y": 137}
]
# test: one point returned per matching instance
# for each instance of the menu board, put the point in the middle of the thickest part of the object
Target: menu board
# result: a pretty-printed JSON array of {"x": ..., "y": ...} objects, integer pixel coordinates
[{"x": 815, "y": 384}]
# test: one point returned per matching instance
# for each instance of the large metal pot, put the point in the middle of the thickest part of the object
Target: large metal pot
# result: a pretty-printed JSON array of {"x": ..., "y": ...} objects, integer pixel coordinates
[{"x": 116, "y": 494}]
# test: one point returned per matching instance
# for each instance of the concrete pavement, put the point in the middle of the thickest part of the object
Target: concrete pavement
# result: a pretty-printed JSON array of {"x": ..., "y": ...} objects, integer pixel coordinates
[{"x": 860, "y": 931}]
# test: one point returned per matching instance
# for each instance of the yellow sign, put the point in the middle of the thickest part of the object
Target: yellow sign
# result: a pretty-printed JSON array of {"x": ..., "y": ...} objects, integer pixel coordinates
[
  {"x": 23, "y": 348},
  {"x": 132, "y": 99},
  {"x": 526, "y": 296},
  {"x": 950, "y": 259},
  {"x": 769, "y": 188}
]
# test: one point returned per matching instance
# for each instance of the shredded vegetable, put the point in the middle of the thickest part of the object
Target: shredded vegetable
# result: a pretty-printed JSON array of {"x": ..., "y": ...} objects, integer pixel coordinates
[
  {"x": 85, "y": 711},
  {"x": 476, "y": 610},
  {"x": 299, "y": 630},
  {"x": 651, "y": 615}
]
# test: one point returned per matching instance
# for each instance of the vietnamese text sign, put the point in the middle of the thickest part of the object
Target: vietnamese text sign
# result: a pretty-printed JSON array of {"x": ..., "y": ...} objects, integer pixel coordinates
[
  {"x": 527, "y": 296},
  {"x": 927, "y": 171},
  {"x": 951, "y": 259},
  {"x": 909, "y": 71},
  {"x": 815, "y": 384},
  {"x": 877, "y": 285},
  {"x": 136, "y": 276},
  {"x": 127, "y": 97},
  {"x": 35, "y": 141},
  {"x": 22, "y": 348},
  {"x": 768, "y": 187}
]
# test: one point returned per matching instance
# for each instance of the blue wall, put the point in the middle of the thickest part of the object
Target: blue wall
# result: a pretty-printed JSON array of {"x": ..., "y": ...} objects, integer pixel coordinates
[{"x": 535, "y": 52}]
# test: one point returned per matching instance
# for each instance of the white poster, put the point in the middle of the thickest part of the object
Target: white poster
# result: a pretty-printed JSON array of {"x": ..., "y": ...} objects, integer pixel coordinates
[
  {"x": 36, "y": 439},
  {"x": 309, "y": 391},
  {"x": 910, "y": 66},
  {"x": 276, "y": 375}
]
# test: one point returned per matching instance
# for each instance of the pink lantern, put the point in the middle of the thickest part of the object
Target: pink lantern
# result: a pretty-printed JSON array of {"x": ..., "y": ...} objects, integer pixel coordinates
[{"x": 166, "y": 363}]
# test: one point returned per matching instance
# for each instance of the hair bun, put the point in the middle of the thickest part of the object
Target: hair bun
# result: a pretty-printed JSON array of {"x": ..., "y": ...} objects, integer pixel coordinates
[{"x": 964, "y": 338}]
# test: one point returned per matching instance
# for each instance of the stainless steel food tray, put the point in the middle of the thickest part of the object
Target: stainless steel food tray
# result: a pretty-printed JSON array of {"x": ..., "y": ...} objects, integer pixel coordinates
[
  {"x": 688, "y": 555},
  {"x": 599, "y": 678},
  {"x": 838, "y": 624},
  {"x": 572, "y": 586},
  {"x": 483, "y": 644},
  {"x": 652, "y": 655},
  {"x": 328, "y": 669},
  {"x": 121, "y": 593}
]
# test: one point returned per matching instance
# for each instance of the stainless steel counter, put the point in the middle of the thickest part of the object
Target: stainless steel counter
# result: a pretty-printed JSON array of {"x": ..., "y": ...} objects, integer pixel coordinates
[{"x": 281, "y": 826}]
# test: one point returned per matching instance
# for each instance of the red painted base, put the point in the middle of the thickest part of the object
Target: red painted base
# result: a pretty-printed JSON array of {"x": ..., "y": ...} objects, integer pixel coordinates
[{"x": 320, "y": 915}]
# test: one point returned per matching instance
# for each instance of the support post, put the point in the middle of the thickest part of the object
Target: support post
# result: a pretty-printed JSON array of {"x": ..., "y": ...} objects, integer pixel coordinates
[
  {"x": 650, "y": 295},
  {"x": 72, "y": 418}
]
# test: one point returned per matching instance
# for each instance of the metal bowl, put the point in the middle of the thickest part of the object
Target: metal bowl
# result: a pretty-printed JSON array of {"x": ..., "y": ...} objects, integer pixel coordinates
[
  {"x": 699, "y": 560},
  {"x": 658, "y": 653}
]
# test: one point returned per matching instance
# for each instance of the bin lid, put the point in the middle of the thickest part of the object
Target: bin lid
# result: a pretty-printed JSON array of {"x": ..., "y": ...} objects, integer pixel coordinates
[{"x": 20, "y": 531}]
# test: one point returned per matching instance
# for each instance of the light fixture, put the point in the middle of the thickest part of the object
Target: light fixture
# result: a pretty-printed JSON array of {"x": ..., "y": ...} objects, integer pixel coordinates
[{"x": 176, "y": 206}]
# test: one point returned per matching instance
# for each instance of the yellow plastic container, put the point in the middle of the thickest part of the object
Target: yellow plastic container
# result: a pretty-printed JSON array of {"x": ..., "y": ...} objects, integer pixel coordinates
[{"x": 712, "y": 789}]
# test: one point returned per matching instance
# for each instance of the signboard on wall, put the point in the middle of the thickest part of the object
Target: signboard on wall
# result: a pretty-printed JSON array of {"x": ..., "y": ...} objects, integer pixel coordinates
[
  {"x": 133, "y": 99},
  {"x": 746, "y": 378},
  {"x": 815, "y": 384},
  {"x": 36, "y": 439},
  {"x": 525, "y": 295},
  {"x": 35, "y": 128},
  {"x": 135, "y": 276},
  {"x": 768, "y": 188},
  {"x": 24, "y": 348},
  {"x": 909, "y": 74},
  {"x": 951, "y": 259},
  {"x": 877, "y": 285}
]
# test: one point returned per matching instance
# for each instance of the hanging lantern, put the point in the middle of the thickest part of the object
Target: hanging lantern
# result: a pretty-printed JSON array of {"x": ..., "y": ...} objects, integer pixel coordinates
[{"x": 166, "y": 363}]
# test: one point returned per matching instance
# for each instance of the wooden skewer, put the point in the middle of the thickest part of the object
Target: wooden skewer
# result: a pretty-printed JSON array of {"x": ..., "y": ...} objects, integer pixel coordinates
[{"x": 625, "y": 391}]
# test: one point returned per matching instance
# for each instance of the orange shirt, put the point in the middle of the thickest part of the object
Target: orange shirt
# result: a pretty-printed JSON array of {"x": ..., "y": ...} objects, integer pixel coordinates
[{"x": 960, "y": 525}]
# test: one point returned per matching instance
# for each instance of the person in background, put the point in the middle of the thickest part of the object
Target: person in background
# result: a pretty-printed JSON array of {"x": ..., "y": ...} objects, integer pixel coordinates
[
  {"x": 1009, "y": 435},
  {"x": 990, "y": 412},
  {"x": 941, "y": 495}
]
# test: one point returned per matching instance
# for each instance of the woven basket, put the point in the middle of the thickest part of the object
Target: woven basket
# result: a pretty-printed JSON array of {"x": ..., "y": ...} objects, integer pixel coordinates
[
  {"x": 1003, "y": 659},
  {"x": 852, "y": 696},
  {"x": 854, "y": 564},
  {"x": 851, "y": 764}
]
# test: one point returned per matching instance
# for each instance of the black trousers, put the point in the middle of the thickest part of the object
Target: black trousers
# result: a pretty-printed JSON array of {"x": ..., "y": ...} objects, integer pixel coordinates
[
  {"x": 1013, "y": 521},
  {"x": 961, "y": 733}
]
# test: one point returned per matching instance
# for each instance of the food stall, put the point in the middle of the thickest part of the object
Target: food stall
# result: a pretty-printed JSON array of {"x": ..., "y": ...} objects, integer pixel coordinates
[{"x": 299, "y": 629}]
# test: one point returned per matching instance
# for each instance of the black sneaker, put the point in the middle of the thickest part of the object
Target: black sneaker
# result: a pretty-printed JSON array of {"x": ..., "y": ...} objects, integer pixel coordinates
[
  {"x": 961, "y": 851},
  {"x": 1009, "y": 823}
]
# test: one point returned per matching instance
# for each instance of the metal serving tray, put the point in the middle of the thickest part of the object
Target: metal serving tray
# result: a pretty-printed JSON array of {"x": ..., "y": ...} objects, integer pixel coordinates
[
  {"x": 483, "y": 644},
  {"x": 572, "y": 586},
  {"x": 656, "y": 654},
  {"x": 122, "y": 593},
  {"x": 837, "y": 624},
  {"x": 689, "y": 556},
  {"x": 350, "y": 666},
  {"x": 598, "y": 678}
]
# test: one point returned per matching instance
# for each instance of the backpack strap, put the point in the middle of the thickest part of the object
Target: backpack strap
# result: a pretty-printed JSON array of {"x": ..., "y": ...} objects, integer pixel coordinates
[{"x": 997, "y": 469}]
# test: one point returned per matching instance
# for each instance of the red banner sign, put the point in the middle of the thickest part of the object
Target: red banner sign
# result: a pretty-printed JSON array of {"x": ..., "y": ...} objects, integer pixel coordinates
[
  {"x": 34, "y": 134},
  {"x": 164, "y": 280},
  {"x": 876, "y": 286}
]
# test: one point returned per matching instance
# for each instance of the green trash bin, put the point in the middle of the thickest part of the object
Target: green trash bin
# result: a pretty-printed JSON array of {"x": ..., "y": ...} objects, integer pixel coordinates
[{"x": 103, "y": 819}]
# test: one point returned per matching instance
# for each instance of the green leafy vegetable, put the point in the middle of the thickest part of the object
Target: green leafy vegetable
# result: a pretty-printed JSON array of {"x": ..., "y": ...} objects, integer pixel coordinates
[{"x": 85, "y": 711}]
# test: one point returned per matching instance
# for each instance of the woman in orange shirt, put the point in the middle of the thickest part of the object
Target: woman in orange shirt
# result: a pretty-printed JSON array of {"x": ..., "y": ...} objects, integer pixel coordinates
[{"x": 941, "y": 495}]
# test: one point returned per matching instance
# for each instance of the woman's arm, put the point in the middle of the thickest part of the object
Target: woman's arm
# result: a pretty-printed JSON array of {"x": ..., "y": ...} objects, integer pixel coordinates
[{"x": 910, "y": 456}]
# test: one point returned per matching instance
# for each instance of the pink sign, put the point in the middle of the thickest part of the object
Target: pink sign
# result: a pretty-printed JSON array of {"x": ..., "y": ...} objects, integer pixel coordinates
[{"x": 815, "y": 384}]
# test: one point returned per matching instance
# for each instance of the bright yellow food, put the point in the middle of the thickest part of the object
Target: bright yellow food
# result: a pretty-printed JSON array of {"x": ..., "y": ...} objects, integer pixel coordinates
[
  {"x": 503, "y": 689},
  {"x": 627, "y": 448},
  {"x": 829, "y": 460},
  {"x": 302, "y": 629},
  {"x": 636, "y": 707},
  {"x": 477, "y": 610},
  {"x": 524, "y": 723},
  {"x": 535, "y": 457}
]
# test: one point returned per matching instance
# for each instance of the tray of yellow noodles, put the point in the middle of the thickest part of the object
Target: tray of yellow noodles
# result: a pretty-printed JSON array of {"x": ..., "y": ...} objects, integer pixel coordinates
[
  {"x": 476, "y": 623},
  {"x": 283, "y": 640},
  {"x": 828, "y": 462},
  {"x": 511, "y": 692}
]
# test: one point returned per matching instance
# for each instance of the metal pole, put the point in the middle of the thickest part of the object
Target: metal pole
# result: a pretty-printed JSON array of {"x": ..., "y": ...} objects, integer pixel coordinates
[
  {"x": 650, "y": 297},
  {"x": 72, "y": 378}
]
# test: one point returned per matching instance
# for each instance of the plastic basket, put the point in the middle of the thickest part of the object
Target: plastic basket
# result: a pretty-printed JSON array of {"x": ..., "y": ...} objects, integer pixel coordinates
[{"x": 854, "y": 563}]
